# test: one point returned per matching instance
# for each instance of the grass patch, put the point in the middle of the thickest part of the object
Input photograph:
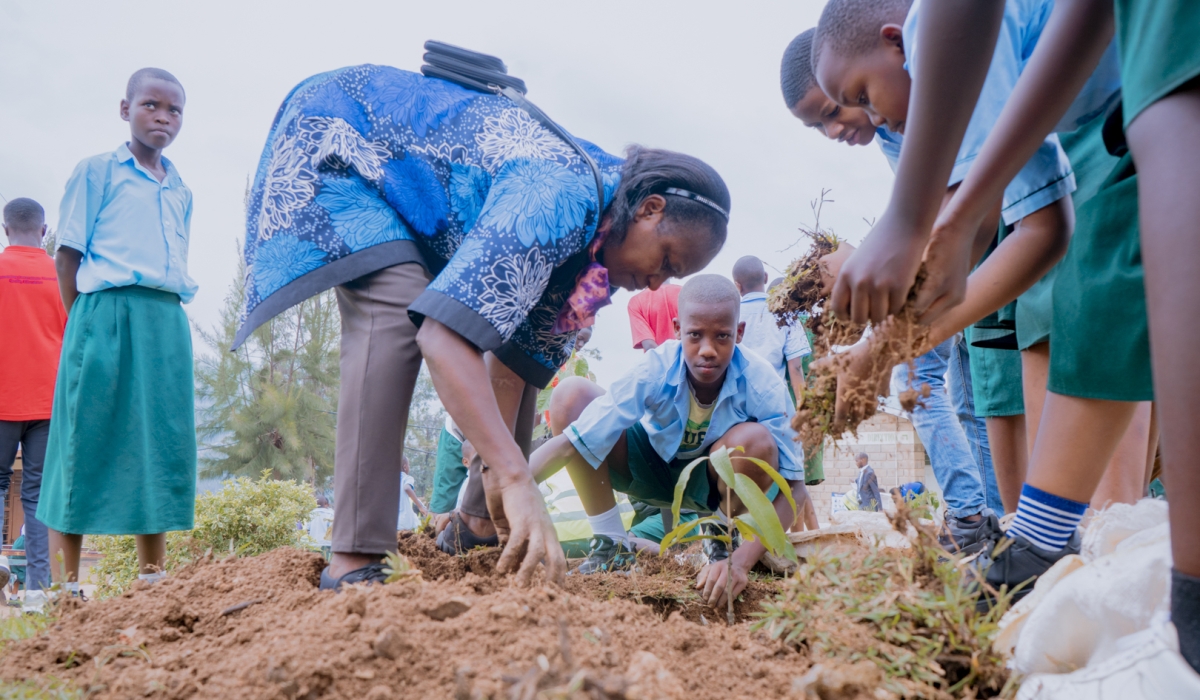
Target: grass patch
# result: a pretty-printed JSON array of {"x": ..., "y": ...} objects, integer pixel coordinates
[
  {"x": 910, "y": 612},
  {"x": 49, "y": 688},
  {"x": 18, "y": 627}
]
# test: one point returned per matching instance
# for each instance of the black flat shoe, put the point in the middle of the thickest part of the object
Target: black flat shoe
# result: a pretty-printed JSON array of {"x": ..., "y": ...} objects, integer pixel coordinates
[
  {"x": 457, "y": 538},
  {"x": 369, "y": 574}
]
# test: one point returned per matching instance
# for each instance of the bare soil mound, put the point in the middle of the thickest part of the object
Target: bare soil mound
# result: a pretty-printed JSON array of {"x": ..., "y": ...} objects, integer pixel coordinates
[{"x": 258, "y": 628}]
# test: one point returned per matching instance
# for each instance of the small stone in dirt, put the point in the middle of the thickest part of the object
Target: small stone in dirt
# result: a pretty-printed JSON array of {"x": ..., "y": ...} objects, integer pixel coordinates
[
  {"x": 842, "y": 682},
  {"x": 353, "y": 620},
  {"x": 364, "y": 674},
  {"x": 169, "y": 634},
  {"x": 447, "y": 609},
  {"x": 508, "y": 610},
  {"x": 380, "y": 692},
  {"x": 389, "y": 644}
]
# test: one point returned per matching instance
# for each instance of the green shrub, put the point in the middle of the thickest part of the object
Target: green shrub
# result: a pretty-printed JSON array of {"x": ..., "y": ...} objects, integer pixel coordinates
[{"x": 245, "y": 517}]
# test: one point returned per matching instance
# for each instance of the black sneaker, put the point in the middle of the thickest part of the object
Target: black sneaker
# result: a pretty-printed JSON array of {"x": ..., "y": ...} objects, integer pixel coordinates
[
  {"x": 716, "y": 550},
  {"x": 1020, "y": 561},
  {"x": 369, "y": 574},
  {"x": 962, "y": 536},
  {"x": 606, "y": 555}
]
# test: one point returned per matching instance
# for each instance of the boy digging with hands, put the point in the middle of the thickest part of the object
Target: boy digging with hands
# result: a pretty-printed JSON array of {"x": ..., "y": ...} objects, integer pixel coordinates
[{"x": 685, "y": 399}]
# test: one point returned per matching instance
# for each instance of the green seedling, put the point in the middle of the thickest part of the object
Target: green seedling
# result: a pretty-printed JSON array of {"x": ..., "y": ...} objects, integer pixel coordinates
[
  {"x": 399, "y": 568},
  {"x": 760, "y": 522}
]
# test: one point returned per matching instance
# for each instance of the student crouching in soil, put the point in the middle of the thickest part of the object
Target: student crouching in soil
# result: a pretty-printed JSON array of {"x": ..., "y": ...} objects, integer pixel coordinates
[
  {"x": 686, "y": 398},
  {"x": 457, "y": 229}
]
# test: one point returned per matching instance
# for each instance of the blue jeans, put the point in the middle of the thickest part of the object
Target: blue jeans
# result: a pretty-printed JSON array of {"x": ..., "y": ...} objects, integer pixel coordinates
[
  {"x": 945, "y": 441},
  {"x": 31, "y": 436},
  {"x": 963, "y": 395}
]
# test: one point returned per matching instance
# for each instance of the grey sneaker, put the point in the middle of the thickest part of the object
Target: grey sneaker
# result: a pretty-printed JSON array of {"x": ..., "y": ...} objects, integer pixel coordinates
[
  {"x": 1020, "y": 561},
  {"x": 961, "y": 536},
  {"x": 715, "y": 550},
  {"x": 606, "y": 555}
]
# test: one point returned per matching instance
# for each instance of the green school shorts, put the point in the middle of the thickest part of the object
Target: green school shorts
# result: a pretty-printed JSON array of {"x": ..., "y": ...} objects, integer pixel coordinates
[
  {"x": 652, "y": 479},
  {"x": 995, "y": 380},
  {"x": 448, "y": 473},
  {"x": 1159, "y": 50},
  {"x": 1101, "y": 347}
]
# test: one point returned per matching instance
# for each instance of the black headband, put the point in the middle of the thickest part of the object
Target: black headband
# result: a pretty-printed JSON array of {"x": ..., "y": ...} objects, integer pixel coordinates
[{"x": 686, "y": 194}]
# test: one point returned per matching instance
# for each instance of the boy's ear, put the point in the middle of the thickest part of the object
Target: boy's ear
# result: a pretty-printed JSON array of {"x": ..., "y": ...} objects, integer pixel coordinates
[
  {"x": 892, "y": 36},
  {"x": 125, "y": 110},
  {"x": 675, "y": 322},
  {"x": 741, "y": 330}
]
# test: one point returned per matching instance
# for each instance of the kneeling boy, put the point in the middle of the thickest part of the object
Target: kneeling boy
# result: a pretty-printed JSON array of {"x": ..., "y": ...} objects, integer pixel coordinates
[{"x": 686, "y": 398}]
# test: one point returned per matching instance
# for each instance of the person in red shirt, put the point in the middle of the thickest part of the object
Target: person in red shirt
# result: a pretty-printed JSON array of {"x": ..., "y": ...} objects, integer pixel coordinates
[
  {"x": 652, "y": 315},
  {"x": 33, "y": 319}
]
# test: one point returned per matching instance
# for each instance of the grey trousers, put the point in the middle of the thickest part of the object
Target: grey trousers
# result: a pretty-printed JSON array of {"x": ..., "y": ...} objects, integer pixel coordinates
[
  {"x": 31, "y": 436},
  {"x": 380, "y": 361}
]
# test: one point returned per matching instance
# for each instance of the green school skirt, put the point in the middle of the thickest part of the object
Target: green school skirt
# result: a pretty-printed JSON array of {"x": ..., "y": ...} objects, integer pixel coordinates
[
  {"x": 448, "y": 473},
  {"x": 1101, "y": 347},
  {"x": 995, "y": 380},
  {"x": 1158, "y": 47},
  {"x": 121, "y": 458}
]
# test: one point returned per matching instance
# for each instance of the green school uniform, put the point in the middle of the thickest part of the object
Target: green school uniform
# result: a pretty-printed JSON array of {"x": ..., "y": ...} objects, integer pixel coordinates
[
  {"x": 121, "y": 458},
  {"x": 995, "y": 379},
  {"x": 1158, "y": 47},
  {"x": 448, "y": 474}
]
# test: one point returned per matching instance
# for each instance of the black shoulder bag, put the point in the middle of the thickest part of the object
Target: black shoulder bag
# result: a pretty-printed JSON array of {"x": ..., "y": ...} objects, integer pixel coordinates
[{"x": 484, "y": 73}]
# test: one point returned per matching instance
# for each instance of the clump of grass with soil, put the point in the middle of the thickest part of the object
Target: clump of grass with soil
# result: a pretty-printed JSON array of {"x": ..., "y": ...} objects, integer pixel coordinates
[
  {"x": 804, "y": 294},
  {"x": 244, "y": 518},
  {"x": 910, "y": 612}
]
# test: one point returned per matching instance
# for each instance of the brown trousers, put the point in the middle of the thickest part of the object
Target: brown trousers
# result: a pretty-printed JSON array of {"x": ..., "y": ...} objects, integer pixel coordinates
[{"x": 380, "y": 362}]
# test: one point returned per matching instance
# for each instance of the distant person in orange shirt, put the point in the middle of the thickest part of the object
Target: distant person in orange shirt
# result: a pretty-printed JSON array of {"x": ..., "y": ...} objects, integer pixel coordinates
[
  {"x": 33, "y": 319},
  {"x": 652, "y": 315}
]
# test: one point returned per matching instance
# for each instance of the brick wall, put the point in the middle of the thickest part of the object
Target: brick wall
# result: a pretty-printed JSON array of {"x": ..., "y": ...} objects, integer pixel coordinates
[{"x": 894, "y": 451}]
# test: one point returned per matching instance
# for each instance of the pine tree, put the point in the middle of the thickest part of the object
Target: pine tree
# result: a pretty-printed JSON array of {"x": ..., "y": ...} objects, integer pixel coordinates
[{"x": 272, "y": 403}]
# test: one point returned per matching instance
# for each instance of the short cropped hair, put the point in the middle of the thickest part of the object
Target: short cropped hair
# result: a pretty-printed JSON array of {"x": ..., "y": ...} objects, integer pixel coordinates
[
  {"x": 24, "y": 214},
  {"x": 863, "y": 456},
  {"x": 709, "y": 289},
  {"x": 748, "y": 271},
  {"x": 851, "y": 27},
  {"x": 141, "y": 76},
  {"x": 796, "y": 71}
]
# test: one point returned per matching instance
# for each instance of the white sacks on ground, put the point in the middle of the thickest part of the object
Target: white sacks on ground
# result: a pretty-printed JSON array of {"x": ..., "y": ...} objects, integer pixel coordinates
[{"x": 1083, "y": 605}]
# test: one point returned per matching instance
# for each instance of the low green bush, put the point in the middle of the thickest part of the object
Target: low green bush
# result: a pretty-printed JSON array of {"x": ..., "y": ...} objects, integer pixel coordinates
[{"x": 246, "y": 517}]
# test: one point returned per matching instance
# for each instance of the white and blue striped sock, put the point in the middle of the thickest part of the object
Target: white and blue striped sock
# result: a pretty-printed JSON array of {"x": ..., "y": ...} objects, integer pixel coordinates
[{"x": 1046, "y": 520}]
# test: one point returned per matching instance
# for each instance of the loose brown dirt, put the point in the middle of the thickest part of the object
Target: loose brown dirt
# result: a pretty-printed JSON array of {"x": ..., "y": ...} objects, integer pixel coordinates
[{"x": 259, "y": 628}]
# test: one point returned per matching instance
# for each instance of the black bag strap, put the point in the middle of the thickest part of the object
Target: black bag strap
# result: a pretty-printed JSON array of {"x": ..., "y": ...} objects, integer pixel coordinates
[{"x": 483, "y": 73}]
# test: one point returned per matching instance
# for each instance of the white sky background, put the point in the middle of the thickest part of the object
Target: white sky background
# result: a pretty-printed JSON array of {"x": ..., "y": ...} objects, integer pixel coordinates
[{"x": 697, "y": 77}]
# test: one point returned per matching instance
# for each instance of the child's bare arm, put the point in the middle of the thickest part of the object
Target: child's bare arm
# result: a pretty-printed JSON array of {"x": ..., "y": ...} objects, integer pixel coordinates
[
  {"x": 66, "y": 264},
  {"x": 949, "y": 77},
  {"x": 796, "y": 373},
  {"x": 1075, "y": 38}
]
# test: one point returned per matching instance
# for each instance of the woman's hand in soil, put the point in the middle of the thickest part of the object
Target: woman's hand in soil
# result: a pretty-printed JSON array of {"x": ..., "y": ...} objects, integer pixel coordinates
[
  {"x": 713, "y": 581},
  {"x": 523, "y": 524},
  {"x": 875, "y": 280}
]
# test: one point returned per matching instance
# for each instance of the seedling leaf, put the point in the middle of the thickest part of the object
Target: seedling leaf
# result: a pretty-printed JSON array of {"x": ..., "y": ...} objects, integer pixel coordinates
[
  {"x": 782, "y": 483},
  {"x": 684, "y": 528},
  {"x": 680, "y": 485},
  {"x": 770, "y": 529}
]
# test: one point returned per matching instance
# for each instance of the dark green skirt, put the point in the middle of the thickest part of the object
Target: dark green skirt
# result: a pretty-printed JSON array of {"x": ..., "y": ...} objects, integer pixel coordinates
[
  {"x": 1101, "y": 347},
  {"x": 121, "y": 458},
  {"x": 995, "y": 379},
  {"x": 1159, "y": 50}
]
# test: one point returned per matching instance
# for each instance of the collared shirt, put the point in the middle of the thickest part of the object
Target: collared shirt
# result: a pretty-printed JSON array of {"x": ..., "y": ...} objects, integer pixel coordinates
[
  {"x": 131, "y": 228},
  {"x": 1047, "y": 177},
  {"x": 765, "y": 338},
  {"x": 655, "y": 393}
]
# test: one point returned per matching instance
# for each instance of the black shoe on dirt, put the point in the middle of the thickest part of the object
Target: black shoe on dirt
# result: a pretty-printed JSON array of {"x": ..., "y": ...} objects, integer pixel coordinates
[
  {"x": 716, "y": 550},
  {"x": 369, "y": 574},
  {"x": 962, "y": 536},
  {"x": 1020, "y": 561},
  {"x": 606, "y": 555}
]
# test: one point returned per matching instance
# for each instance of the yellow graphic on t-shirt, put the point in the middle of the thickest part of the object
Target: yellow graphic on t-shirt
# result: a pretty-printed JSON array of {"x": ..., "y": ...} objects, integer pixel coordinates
[{"x": 699, "y": 417}]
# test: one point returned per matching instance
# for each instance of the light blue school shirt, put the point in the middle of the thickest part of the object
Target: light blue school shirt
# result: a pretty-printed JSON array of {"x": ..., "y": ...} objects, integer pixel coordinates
[
  {"x": 1047, "y": 177},
  {"x": 656, "y": 394},
  {"x": 766, "y": 338},
  {"x": 131, "y": 228}
]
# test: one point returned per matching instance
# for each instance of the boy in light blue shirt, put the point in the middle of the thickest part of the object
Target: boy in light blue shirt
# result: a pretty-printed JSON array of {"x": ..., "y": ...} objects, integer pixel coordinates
[
  {"x": 121, "y": 456},
  {"x": 686, "y": 398}
]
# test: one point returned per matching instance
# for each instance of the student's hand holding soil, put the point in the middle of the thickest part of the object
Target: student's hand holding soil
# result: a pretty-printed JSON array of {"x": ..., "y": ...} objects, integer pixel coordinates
[
  {"x": 713, "y": 580},
  {"x": 874, "y": 281}
]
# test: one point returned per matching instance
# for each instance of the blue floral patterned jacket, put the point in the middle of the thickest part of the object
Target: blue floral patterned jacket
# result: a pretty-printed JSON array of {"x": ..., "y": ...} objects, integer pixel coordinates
[{"x": 370, "y": 166}]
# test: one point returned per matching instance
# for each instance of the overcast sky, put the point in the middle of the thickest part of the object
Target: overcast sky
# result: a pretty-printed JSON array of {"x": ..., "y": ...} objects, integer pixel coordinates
[{"x": 697, "y": 77}]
